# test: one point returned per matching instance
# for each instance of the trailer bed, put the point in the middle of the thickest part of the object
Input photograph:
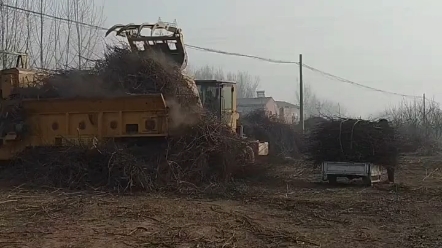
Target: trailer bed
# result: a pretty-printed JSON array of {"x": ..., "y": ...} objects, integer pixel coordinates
[{"x": 370, "y": 173}]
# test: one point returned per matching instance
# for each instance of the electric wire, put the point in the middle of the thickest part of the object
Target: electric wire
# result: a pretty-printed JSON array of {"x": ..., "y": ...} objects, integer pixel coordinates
[{"x": 211, "y": 50}]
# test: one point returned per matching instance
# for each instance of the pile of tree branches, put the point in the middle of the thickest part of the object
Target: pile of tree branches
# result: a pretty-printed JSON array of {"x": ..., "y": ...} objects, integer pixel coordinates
[
  {"x": 77, "y": 166},
  {"x": 205, "y": 153},
  {"x": 121, "y": 72},
  {"x": 353, "y": 140},
  {"x": 201, "y": 152},
  {"x": 284, "y": 139}
]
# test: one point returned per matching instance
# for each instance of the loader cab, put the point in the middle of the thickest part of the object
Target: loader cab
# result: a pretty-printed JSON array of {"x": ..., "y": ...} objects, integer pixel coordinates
[
  {"x": 18, "y": 76},
  {"x": 219, "y": 98}
]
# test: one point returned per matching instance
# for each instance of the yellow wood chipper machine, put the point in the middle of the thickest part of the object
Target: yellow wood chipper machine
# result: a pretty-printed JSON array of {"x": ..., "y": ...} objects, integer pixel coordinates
[{"x": 56, "y": 122}]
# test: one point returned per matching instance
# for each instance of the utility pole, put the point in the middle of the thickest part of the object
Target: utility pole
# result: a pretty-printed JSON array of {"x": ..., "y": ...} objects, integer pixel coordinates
[
  {"x": 301, "y": 94},
  {"x": 424, "y": 115},
  {"x": 41, "y": 34},
  {"x": 3, "y": 13}
]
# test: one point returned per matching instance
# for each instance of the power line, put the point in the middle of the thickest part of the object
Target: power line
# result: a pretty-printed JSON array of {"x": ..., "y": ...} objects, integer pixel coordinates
[
  {"x": 52, "y": 16},
  {"x": 305, "y": 66},
  {"x": 204, "y": 49},
  {"x": 241, "y": 55},
  {"x": 357, "y": 84}
]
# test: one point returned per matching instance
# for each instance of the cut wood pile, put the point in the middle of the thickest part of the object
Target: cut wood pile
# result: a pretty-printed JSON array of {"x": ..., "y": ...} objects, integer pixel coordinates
[
  {"x": 208, "y": 153},
  {"x": 205, "y": 152},
  {"x": 353, "y": 140},
  {"x": 284, "y": 139},
  {"x": 121, "y": 72}
]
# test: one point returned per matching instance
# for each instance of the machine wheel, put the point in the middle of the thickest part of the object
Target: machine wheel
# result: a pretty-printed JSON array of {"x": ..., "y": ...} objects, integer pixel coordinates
[
  {"x": 390, "y": 173},
  {"x": 367, "y": 181},
  {"x": 332, "y": 179}
]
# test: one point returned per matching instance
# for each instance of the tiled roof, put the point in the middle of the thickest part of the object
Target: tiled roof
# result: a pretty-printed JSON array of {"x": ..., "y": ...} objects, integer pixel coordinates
[
  {"x": 258, "y": 101},
  {"x": 286, "y": 104}
]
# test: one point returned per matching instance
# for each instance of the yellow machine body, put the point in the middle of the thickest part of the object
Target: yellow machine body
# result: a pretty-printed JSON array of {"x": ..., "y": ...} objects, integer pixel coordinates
[
  {"x": 56, "y": 122},
  {"x": 219, "y": 97}
]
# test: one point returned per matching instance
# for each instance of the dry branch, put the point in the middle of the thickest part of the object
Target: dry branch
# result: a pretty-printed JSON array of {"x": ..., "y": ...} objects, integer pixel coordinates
[
  {"x": 353, "y": 140},
  {"x": 199, "y": 152},
  {"x": 121, "y": 72},
  {"x": 284, "y": 140},
  {"x": 206, "y": 153}
]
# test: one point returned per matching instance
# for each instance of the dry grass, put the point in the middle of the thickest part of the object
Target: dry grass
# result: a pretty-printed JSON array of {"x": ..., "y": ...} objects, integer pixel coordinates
[{"x": 292, "y": 210}]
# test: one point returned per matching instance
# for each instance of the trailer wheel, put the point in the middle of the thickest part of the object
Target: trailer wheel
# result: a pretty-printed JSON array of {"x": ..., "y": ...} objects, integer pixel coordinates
[
  {"x": 390, "y": 173},
  {"x": 332, "y": 179},
  {"x": 367, "y": 181},
  {"x": 250, "y": 155}
]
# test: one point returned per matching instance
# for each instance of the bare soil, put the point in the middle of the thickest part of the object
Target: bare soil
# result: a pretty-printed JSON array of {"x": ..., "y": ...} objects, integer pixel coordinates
[{"x": 290, "y": 208}]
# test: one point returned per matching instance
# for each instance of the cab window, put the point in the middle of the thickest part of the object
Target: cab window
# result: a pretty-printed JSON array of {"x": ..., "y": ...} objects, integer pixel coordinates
[
  {"x": 210, "y": 97},
  {"x": 227, "y": 97}
]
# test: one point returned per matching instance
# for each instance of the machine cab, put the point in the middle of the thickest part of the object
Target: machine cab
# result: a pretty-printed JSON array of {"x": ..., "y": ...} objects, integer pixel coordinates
[
  {"x": 18, "y": 77},
  {"x": 219, "y": 98}
]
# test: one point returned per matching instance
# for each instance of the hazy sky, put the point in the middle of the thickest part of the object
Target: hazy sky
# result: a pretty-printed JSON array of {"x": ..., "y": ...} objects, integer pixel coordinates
[{"x": 392, "y": 45}]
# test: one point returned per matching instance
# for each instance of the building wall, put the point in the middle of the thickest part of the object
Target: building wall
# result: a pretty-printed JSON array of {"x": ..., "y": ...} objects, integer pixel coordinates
[
  {"x": 289, "y": 115},
  {"x": 271, "y": 108},
  {"x": 269, "y": 105}
]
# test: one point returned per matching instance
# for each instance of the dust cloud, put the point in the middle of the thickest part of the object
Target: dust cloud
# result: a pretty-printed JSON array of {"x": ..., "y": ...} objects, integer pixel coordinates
[{"x": 182, "y": 116}]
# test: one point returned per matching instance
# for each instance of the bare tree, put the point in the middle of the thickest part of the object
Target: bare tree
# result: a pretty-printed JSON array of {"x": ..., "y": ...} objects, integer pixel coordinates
[
  {"x": 246, "y": 83},
  {"x": 419, "y": 126},
  {"x": 314, "y": 106},
  {"x": 54, "y": 33},
  {"x": 208, "y": 72}
]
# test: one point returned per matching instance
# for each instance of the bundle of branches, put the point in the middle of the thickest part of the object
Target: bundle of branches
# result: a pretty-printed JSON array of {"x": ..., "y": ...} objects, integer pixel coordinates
[
  {"x": 67, "y": 84},
  {"x": 284, "y": 140},
  {"x": 121, "y": 72},
  {"x": 205, "y": 153},
  {"x": 140, "y": 73},
  {"x": 354, "y": 140},
  {"x": 80, "y": 167}
]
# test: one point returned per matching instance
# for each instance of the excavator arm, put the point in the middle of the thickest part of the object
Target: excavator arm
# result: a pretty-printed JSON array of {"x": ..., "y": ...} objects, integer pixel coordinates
[
  {"x": 135, "y": 30},
  {"x": 171, "y": 43}
]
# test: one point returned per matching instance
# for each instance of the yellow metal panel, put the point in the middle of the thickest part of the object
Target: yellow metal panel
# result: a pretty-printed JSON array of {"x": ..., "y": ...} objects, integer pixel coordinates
[
  {"x": 154, "y": 102},
  {"x": 108, "y": 130},
  {"x": 48, "y": 126},
  {"x": 62, "y": 121},
  {"x": 83, "y": 124}
]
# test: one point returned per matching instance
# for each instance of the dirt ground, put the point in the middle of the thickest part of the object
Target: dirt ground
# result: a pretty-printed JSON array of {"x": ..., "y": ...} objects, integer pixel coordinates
[{"x": 291, "y": 210}]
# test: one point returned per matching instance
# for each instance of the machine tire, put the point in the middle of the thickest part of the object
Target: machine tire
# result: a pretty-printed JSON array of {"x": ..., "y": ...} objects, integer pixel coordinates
[
  {"x": 367, "y": 181},
  {"x": 332, "y": 179},
  {"x": 390, "y": 174}
]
